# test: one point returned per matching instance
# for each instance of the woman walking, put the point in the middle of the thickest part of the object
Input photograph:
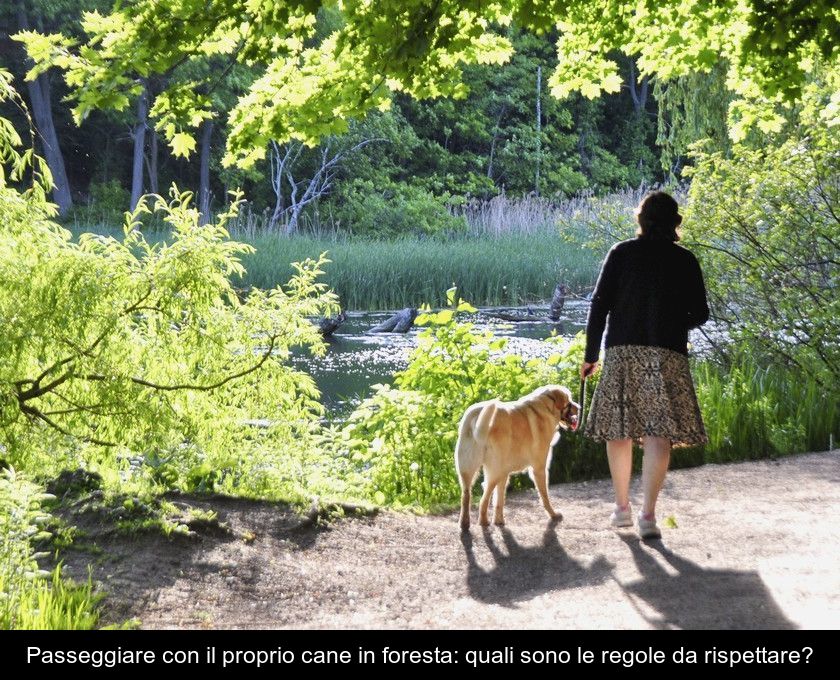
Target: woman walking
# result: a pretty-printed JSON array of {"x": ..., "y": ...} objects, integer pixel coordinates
[{"x": 649, "y": 294}]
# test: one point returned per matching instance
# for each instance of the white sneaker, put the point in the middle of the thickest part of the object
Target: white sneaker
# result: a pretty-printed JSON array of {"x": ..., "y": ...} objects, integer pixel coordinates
[
  {"x": 648, "y": 529},
  {"x": 621, "y": 518}
]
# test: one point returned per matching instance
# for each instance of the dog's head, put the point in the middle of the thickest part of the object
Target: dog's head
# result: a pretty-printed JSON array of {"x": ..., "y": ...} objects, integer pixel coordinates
[{"x": 562, "y": 405}]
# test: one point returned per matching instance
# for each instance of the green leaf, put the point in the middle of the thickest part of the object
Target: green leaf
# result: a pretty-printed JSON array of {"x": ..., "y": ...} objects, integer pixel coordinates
[{"x": 182, "y": 144}]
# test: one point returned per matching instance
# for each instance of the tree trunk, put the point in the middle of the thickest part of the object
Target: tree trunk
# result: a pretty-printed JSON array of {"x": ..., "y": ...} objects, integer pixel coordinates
[
  {"x": 139, "y": 144},
  {"x": 400, "y": 322},
  {"x": 204, "y": 174},
  {"x": 152, "y": 161},
  {"x": 496, "y": 130},
  {"x": 557, "y": 302},
  {"x": 39, "y": 96},
  {"x": 640, "y": 95},
  {"x": 294, "y": 218}
]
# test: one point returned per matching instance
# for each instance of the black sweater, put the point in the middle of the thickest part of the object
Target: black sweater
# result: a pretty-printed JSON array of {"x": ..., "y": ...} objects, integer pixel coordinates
[{"x": 653, "y": 291}]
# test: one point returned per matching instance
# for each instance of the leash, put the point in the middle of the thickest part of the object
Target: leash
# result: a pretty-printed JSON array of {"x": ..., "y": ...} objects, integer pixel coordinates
[{"x": 582, "y": 403}]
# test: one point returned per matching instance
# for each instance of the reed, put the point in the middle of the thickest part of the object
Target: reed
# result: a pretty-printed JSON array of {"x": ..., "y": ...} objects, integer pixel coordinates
[{"x": 510, "y": 269}]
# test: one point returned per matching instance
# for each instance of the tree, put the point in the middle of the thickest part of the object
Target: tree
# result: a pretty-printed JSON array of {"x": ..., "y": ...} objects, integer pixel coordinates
[
  {"x": 765, "y": 221},
  {"x": 138, "y": 135},
  {"x": 292, "y": 195},
  {"x": 124, "y": 346},
  {"x": 40, "y": 96},
  {"x": 204, "y": 172},
  {"x": 310, "y": 91}
]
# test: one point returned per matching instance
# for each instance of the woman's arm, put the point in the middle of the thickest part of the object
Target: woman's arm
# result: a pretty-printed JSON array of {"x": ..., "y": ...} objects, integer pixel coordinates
[
  {"x": 602, "y": 301},
  {"x": 697, "y": 304}
]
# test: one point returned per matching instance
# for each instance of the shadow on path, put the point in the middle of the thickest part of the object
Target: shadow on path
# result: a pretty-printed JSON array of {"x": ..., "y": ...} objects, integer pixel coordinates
[
  {"x": 521, "y": 573},
  {"x": 699, "y": 598}
]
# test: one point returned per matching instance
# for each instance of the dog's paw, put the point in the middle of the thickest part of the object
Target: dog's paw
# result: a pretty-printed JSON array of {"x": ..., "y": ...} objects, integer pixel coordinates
[
  {"x": 499, "y": 522},
  {"x": 556, "y": 517},
  {"x": 484, "y": 522},
  {"x": 465, "y": 526}
]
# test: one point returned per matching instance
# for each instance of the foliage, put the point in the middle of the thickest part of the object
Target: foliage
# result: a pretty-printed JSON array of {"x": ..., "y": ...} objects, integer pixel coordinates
[
  {"x": 393, "y": 209},
  {"x": 757, "y": 409},
  {"x": 691, "y": 108},
  {"x": 308, "y": 91},
  {"x": 18, "y": 165},
  {"x": 30, "y": 597},
  {"x": 403, "y": 437},
  {"x": 140, "y": 359},
  {"x": 137, "y": 358},
  {"x": 765, "y": 223}
]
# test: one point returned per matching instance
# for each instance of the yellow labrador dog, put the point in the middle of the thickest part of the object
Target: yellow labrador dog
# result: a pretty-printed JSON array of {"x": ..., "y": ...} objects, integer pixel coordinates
[{"x": 507, "y": 437}]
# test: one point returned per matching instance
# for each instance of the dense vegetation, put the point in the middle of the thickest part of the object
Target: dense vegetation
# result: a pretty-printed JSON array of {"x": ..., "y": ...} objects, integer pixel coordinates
[
  {"x": 408, "y": 170},
  {"x": 435, "y": 143}
]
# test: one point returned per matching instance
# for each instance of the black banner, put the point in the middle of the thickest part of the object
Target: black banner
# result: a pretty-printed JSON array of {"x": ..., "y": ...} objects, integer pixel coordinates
[{"x": 272, "y": 651}]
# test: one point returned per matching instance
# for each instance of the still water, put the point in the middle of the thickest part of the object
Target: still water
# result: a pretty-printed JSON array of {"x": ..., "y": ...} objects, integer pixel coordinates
[{"x": 355, "y": 359}]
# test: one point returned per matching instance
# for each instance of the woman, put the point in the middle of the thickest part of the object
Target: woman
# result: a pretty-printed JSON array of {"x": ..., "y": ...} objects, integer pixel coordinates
[{"x": 652, "y": 291}]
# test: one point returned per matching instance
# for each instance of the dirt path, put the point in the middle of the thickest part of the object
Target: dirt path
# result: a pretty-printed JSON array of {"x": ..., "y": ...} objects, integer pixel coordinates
[{"x": 756, "y": 546}]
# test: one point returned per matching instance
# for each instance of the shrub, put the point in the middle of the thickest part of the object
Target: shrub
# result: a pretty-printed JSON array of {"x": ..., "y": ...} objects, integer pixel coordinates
[
  {"x": 30, "y": 597},
  {"x": 765, "y": 223},
  {"x": 394, "y": 209},
  {"x": 139, "y": 360},
  {"x": 403, "y": 437}
]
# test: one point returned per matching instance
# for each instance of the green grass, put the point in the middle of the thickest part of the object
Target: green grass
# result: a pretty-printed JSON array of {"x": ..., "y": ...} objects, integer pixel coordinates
[
  {"x": 31, "y": 597},
  {"x": 371, "y": 274},
  {"x": 763, "y": 411},
  {"x": 750, "y": 411},
  {"x": 509, "y": 269},
  {"x": 49, "y": 604}
]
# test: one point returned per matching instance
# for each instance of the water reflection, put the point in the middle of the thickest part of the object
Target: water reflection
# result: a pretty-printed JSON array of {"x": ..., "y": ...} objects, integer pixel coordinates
[{"x": 355, "y": 360}]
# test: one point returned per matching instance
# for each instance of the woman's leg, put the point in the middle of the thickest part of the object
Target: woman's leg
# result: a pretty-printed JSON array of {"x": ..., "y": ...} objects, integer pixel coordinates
[
  {"x": 654, "y": 467},
  {"x": 620, "y": 456}
]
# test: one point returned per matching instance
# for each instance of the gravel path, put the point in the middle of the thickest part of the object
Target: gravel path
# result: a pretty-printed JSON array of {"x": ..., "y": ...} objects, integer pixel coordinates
[{"x": 755, "y": 545}]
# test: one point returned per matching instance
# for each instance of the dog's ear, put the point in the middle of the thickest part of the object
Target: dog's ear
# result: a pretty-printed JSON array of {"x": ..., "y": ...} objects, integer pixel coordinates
[{"x": 561, "y": 398}]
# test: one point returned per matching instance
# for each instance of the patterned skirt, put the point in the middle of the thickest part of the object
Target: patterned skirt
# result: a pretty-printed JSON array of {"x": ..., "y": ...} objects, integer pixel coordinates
[{"x": 645, "y": 391}]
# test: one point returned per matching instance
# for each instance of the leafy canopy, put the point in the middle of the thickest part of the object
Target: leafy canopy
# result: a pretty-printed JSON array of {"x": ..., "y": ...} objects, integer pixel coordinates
[
  {"x": 311, "y": 86},
  {"x": 142, "y": 359}
]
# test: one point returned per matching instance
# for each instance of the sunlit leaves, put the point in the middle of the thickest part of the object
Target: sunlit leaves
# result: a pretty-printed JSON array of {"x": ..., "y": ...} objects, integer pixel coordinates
[
  {"x": 764, "y": 222},
  {"x": 419, "y": 47},
  {"x": 122, "y": 347}
]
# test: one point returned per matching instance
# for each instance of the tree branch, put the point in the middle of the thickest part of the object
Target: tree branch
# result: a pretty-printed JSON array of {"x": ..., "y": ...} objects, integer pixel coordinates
[{"x": 187, "y": 386}]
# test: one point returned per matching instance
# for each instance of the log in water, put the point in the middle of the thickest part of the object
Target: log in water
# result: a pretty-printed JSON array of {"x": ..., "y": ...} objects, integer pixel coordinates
[{"x": 400, "y": 322}]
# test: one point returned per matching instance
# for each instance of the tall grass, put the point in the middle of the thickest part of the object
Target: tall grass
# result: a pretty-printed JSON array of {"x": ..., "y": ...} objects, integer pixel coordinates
[
  {"x": 31, "y": 598},
  {"x": 754, "y": 411},
  {"x": 514, "y": 251},
  {"x": 367, "y": 274},
  {"x": 371, "y": 274},
  {"x": 49, "y": 604},
  {"x": 751, "y": 412},
  {"x": 502, "y": 215}
]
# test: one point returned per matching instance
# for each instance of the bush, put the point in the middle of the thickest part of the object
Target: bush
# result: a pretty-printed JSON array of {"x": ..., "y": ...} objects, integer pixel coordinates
[
  {"x": 754, "y": 409},
  {"x": 139, "y": 360},
  {"x": 403, "y": 437},
  {"x": 765, "y": 223},
  {"x": 393, "y": 209},
  {"x": 32, "y": 598}
]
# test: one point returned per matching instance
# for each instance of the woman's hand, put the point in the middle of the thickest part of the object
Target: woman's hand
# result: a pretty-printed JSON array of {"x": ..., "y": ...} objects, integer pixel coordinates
[{"x": 587, "y": 369}]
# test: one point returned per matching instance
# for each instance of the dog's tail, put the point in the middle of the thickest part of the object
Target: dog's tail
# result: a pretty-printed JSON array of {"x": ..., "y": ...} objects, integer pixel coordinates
[{"x": 472, "y": 438}]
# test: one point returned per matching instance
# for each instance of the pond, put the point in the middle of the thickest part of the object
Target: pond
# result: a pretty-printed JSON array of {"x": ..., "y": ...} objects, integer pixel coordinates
[{"x": 355, "y": 359}]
